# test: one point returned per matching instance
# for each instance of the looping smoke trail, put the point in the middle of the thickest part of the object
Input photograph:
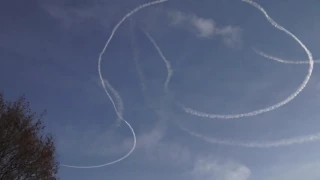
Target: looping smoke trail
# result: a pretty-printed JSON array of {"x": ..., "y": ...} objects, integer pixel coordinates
[
  {"x": 275, "y": 106},
  {"x": 105, "y": 85},
  {"x": 281, "y": 60},
  {"x": 255, "y": 144},
  {"x": 168, "y": 64}
]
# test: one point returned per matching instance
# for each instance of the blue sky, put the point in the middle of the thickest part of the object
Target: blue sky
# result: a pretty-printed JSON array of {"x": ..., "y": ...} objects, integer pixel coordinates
[{"x": 49, "y": 51}]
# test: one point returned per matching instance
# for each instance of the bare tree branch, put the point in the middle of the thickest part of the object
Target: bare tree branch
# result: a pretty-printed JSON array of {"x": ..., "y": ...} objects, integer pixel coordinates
[{"x": 26, "y": 152}]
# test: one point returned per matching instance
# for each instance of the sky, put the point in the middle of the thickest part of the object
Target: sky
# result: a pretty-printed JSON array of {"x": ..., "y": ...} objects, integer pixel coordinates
[{"x": 223, "y": 59}]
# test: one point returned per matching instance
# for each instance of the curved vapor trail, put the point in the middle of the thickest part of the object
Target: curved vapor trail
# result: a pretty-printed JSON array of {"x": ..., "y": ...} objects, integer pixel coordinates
[
  {"x": 168, "y": 64},
  {"x": 118, "y": 100},
  {"x": 281, "y": 60},
  {"x": 275, "y": 106},
  {"x": 136, "y": 58},
  {"x": 255, "y": 144},
  {"x": 105, "y": 85}
]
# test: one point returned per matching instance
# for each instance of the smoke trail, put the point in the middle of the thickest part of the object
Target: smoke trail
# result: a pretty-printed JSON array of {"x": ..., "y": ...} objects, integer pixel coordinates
[
  {"x": 168, "y": 65},
  {"x": 255, "y": 144},
  {"x": 275, "y": 106},
  {"x": 108, "y": 42},
  {"x": 281, "y": 60},
  {"x": 118, "y": 101},
  {"x": 105, "y": 85},
  {"x": 136, "y": 58}
]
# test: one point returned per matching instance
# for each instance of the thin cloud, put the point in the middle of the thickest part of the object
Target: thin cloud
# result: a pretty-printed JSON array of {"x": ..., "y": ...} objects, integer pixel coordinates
[
  {"x": 104, "y": 13},
  {"x": 231, "y": 36},
  {"x": 157, "y": 150},
  {"x": 206, "y": 27},
  {"x": 208, "y": 168},
  {"x": 150, "y": 143},
  {"x": 177, "y": 17},
  {"x": 111, "y": 143},
  {"x": 69, "y": 17},
  {"x": 293, "y": 171},
  {"x": 95, "y": 141},
  {"x": 171, "y": 153}
]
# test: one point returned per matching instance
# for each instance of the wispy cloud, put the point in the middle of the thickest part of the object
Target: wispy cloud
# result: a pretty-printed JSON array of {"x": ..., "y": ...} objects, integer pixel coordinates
[
  {"x": 203, "y": 27},
  {"x": 152, "y": 147},
  {"x": 69, "y": 17},
  {"x": 231, "y": 35},
  {"x": 151, "y": 143},
  {"x": 157, "y": 150},
  {"x": 103, "y": 13},
  {"x": 293, "y": 171},
  {"x": 108, "y": 13},
  {"x": 208, "y": 168},
  {"x": 206, "y": 27}
]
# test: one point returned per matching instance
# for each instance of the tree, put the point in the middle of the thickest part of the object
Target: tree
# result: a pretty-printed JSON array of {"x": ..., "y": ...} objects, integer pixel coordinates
[{"x": 26, "y": 152}]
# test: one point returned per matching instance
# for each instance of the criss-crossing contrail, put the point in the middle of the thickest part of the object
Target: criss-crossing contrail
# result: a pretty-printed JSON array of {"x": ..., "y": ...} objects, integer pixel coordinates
[
  {"x": 275, "y": 106},
  {"x": 256, "y": 144},
  {"x": 119, "y": 108},
  {"x": 106, "y": 86},
  {"x": 167, "y": 63},
  {"x": 136, "y": 58},
  {"x": 281, "y": 60}
]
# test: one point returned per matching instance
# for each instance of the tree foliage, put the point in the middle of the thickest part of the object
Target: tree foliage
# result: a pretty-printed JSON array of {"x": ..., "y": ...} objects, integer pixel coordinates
[{"x": 26, "y": 152}]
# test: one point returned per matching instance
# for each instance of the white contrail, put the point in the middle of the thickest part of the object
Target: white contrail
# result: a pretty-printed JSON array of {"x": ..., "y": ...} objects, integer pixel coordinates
[
  {"x": 167, "y": 63},
  {"x": 136, "y": 58},
  {"x": 281, "y": 60},
  {"x": 105, "y": 84},
  {"x": 255, "y": 144},
  {"x": 118, "y": 101},
  {"x": 275, "y": 106}
]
